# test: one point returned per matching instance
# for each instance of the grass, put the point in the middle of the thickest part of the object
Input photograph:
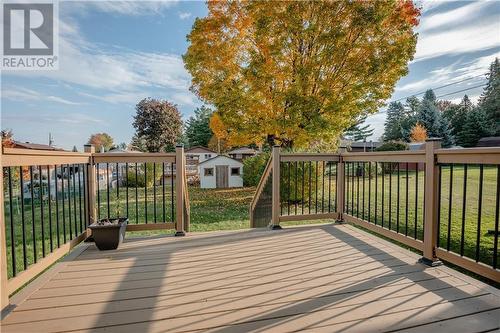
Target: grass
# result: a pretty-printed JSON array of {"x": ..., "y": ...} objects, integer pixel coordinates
[{"x": 227, "y": 209}]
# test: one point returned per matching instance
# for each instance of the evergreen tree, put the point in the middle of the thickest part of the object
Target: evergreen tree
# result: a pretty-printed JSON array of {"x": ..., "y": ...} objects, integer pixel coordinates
[
  {"x": 198, "y": 132},
  {"x": 433, "y": 121},
  {"x": 357, "y": 132},
  {"x": 393, "y": 123},
  {"x": 490, "y": 99},
  {"x": 456, "y": 116},
  {"x": 474, "y": 128},
  {"x": 138, "y": 143}
]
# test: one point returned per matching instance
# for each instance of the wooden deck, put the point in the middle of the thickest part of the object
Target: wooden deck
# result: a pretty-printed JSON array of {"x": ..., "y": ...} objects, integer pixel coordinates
[{"x": 318, "y": 278}]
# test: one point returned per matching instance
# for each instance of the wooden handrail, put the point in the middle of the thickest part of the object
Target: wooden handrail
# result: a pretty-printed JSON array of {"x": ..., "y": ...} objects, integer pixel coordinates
[{"x": 262, "y": 182}]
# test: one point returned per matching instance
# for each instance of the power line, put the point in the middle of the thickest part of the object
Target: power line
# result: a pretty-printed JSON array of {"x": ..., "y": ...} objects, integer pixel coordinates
[
  {"x": 440, "y": 87},
  {"x": 451, "y": 93}
]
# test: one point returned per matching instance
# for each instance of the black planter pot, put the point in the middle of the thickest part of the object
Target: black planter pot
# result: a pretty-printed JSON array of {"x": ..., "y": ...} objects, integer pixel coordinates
[{"x": 108, "y": 236}]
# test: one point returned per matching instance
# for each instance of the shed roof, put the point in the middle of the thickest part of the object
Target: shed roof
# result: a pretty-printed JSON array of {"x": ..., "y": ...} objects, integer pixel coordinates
[
  {"x": 243, "y": 150},
  {"x": 219, "y": 156}
]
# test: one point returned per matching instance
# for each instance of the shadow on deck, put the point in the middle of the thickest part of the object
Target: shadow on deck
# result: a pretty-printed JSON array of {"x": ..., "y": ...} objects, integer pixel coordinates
[{"x": 331, "y": 278}]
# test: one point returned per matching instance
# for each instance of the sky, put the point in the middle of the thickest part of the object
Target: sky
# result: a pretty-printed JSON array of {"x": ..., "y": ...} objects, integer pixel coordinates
[{"x": 114, "y": 53}]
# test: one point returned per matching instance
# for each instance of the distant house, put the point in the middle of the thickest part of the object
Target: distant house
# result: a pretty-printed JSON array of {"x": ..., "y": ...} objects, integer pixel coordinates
[
  {"x": 220, "y": 172},
  {"x": 196, "y": 155},
  {"x": 36, "y": 146},
  {"x": 490, "y": 141},
  {"x": 242, "y": 153},
  {"x": 361, "y": 146}
]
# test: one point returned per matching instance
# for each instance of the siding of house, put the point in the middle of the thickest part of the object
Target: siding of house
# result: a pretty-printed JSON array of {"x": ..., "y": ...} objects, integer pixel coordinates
[{"x": 210, "y": 181}]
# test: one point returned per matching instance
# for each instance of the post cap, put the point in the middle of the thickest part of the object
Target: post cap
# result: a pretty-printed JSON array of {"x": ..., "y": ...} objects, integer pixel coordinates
[
  {"x": 179, "y": 145},
  {"x": 276, "y": 146},
  {"x": 433, "y": 139},
  {"x": 87, "y": 145}
]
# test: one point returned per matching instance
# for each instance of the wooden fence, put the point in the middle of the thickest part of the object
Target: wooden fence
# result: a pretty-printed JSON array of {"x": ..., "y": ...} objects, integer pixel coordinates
[
  {"x": 443, "y": 202},
  {"x": 51, "y": 197}
]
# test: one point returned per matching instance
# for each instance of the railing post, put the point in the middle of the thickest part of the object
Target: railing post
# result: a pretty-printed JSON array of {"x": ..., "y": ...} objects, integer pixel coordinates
[
  {"x": 431, "y": 200},
  {"x": 275, "y": 219},
  {"x": 179, "y": 190},
  {"x": 91, "y": 179},
  {"x": 340, "y": 185},
  {"x": 4, "y": 295}
]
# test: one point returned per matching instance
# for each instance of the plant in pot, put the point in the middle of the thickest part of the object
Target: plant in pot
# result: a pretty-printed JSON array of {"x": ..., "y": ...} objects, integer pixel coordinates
[{"x": 109, "y": 233}]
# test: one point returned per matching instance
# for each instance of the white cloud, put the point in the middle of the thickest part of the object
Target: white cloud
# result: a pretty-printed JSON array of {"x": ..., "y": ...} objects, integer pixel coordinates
[
  {"x": 456, "y": 16},
  {"x": 457, "y": 71},
  {"x": 184, "y": 16},
  {"x": 459, "y": 31},
  {"x": 23, "y": 94},
  {"x": 128, "y": 7}
]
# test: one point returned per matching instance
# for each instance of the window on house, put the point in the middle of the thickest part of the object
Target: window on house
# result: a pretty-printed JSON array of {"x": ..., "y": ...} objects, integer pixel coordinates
[
  {"x": 235, "y": 171},
  {"x": 209, "y": 171},
  {"x": 207, "y": 156}
]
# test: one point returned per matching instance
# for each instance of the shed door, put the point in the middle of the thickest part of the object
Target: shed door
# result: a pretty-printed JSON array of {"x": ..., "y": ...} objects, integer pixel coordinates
[{"x": 222, "y": 176}]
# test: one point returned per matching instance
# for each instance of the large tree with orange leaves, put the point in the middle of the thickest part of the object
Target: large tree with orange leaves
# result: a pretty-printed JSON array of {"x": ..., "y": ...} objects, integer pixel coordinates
[{"x": 298, "y": 72}]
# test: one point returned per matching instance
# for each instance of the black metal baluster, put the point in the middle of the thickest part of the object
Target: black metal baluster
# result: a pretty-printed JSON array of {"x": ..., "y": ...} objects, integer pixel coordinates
[
  {"x": 440, "y": 185},
  {"x": 126, "y": 189},
  {"x": 154, "y": 191},
  {"x": 63, "y": 205},
  {"x": 406, "y": 199},
  {"x": 383, "y": 192},
  {"x": 296, "y": 185},
  {"x": 397, "y": 200},
  {"x": 98, "y": 192},
  {"x": 80, "y": 166},
  {"x": 40, "y": 194},
  {"x": 369, "y": 190},
  {"x": 376, "y": 192},
  {"x": 329, "y": 184},
  {"x": 357, "y": 189},
  {"x": 107, "y": 189},
  {"x": 310, "y": 186},
  {"x": 323, "y": 187},
  {"x": 56, "y": 179},
  {"x": 352, "y": 187},
  {"x": 464, "y": 198},
  {"x": 289, "y": 193},
  {"x": 497, "y": 218},
  {"x": 416, "y": 201},
  {"x": 479, "y": 211},
  {"x": 33, "y": 228},
  {"x": 146, "y": 191},
  {"x": 118, "y": 190},
  {"x": 163, "y": 190},
  {"x": 363, "y": 202},
  {"x": 390, "y": 196},
  {"x": 136, "y": 197},
  {"x": 74, "y": 200},
  {"x": 23, "y": 220},
  {"x": 346, "y": 187},
  {"x": 49, "y": 207},
  {"x": 450, "y": 206},
  {"x": 172, "y": 198},
  {"x": 303, "y": 190},
  {"x": 69, "y": 203},
  {"x": 12, "y": 226},
  {"x": 316, "y": 190}
]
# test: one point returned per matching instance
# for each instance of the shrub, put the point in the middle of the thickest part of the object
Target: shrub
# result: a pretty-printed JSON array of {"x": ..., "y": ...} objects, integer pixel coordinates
[
  {"x": 141, "y": 180},
  {"x": 253, "y": 168},
  {"x": 390, "y": 167}
]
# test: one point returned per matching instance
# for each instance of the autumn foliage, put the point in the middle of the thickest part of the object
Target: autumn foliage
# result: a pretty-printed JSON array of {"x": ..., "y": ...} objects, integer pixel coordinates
[
  {"x": 418, "y": 133},
  {"x": 298, "y": 72}
]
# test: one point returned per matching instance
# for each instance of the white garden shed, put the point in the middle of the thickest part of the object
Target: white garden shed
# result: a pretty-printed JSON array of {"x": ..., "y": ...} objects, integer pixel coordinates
[{"x": 220, "y": 172}]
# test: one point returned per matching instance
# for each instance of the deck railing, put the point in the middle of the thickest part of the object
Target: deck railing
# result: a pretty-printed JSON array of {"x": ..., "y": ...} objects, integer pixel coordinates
[
  {"x": 443, "y": 202},
  {"x": 51, "y": 197}
]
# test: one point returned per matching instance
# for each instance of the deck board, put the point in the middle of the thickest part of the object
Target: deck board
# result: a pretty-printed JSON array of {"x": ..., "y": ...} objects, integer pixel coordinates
[{"x": 320, "y": 278}]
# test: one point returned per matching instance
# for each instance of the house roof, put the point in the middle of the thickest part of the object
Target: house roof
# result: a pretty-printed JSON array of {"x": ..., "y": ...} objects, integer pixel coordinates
[
  {"x": 116, "y": 150},
  {"x": 490, "y": 141},
  {"x": 37, "y": 146},
  {"x": 243, "y": 150},
  {"x": 199, "y": 149},
  {"x": 219, "y": 156}
]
